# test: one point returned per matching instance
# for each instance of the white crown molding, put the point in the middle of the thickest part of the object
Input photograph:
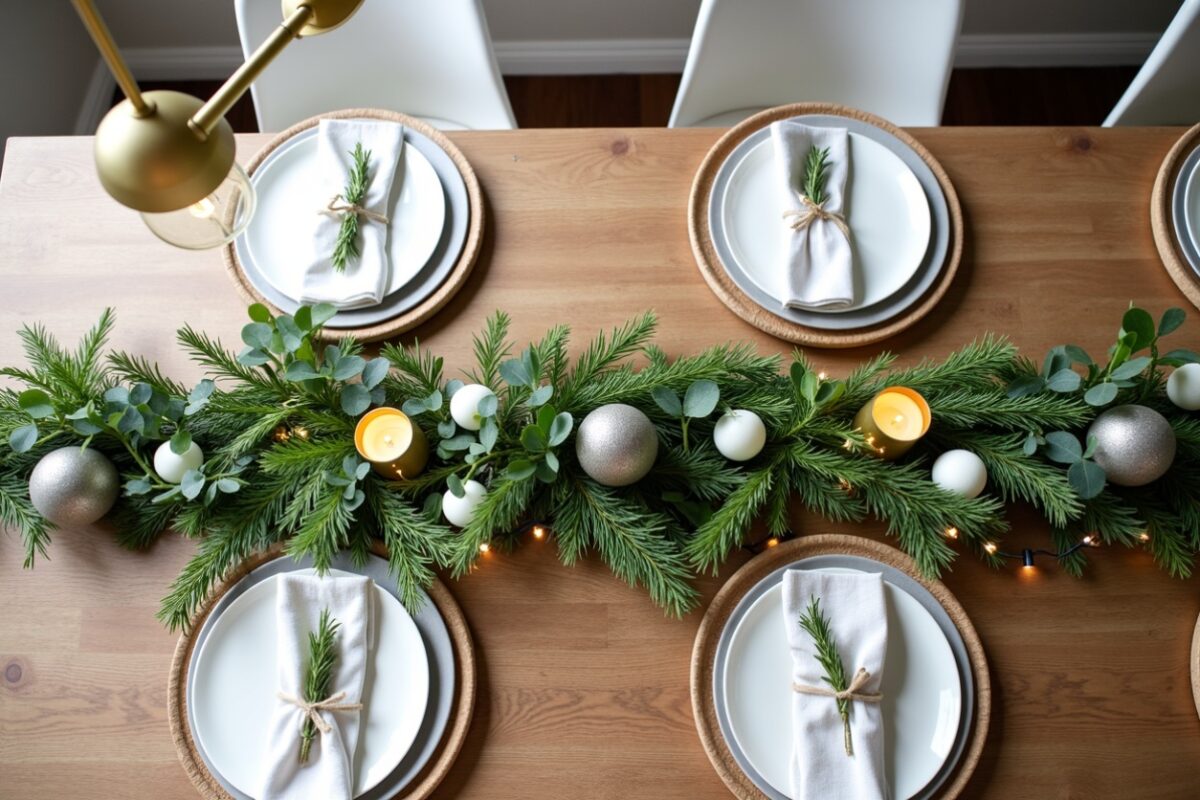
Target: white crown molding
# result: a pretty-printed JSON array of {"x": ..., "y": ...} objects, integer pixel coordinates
[{"x": 611, "y": 56}]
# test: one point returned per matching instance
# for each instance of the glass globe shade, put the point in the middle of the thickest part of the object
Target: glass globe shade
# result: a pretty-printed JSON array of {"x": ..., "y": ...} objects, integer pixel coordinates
[{"x": 212, "y": 221}]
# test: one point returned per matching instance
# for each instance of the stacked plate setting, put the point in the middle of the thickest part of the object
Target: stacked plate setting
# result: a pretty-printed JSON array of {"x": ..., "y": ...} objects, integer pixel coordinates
[
  {"x": 1185, "y": 209},
  {"x": 408, "y": 694},
  {"x": 428, "y": 218},
  {"x": 898, "y": 215},
  {"x": 928, "y": 686}
]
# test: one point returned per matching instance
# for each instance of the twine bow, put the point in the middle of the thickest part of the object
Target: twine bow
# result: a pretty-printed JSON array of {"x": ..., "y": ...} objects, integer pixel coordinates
[
  {"x": 851, "y": 692},
  {"x": 334, "y": 210},
  {"x": 801, "y": 218},
  {"x": 312, "y": 711}
]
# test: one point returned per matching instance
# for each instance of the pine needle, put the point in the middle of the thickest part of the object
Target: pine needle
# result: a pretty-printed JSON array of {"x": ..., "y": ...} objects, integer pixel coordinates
[
  {"x": 815, "y": 165},
  {"x": 346, "y": 247},
  {"x": 322, "y": 656},
  {"x": 816, "y": 624}
]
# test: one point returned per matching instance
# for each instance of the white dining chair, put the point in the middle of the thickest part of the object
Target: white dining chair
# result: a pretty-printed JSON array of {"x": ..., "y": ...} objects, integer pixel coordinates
[
  {"x": 886, "y": 57},
  {"x": 1166, "y": 90},
  {"x": 432, "y": 60}
]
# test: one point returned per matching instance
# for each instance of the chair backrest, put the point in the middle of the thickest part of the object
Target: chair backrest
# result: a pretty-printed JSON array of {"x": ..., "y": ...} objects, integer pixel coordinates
[
  {"x": 1166, "y": 91},
  {"x": 432, "y": 60},
  {"x": 888, "y": 57}
]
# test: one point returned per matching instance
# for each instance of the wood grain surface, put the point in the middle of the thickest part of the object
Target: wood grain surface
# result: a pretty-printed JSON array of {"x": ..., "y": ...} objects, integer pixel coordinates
[{"x": 583, "y": 682}]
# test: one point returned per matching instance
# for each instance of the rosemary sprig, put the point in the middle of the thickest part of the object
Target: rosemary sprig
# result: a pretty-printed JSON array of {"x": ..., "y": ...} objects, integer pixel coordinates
[
  {"x": 814, "y": 174},
  {"x": 346, "y": 246},
  {"x": 816, "y": 624},
  {"x": 322, "y": 655}
]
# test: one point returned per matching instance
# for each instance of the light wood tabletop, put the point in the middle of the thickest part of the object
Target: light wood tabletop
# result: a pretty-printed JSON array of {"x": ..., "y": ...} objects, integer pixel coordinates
[{"x": 584, "y": 683}]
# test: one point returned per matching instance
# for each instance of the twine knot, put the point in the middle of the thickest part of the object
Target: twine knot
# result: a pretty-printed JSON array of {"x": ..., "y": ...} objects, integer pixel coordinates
[
  {"x": 851, "y": 692},
  {"x": 810, "y": 212},
  {"x": 312, "y": 711},
  {"x": 335, "y": 209}
]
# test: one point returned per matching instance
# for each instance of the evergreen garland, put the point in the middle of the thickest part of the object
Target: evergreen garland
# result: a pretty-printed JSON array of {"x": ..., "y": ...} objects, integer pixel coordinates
[{"x": 277, "y": 420}]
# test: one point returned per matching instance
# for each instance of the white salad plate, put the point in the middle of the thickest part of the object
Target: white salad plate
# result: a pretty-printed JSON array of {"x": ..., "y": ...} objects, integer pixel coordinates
[
  {"x": 922, "y": 705},
  {"x": 1186, "y": 209},
  {"x": 885, "y": 207},
  {"x": 288, "y": 183},
  {"x": 235, "y": 680}
]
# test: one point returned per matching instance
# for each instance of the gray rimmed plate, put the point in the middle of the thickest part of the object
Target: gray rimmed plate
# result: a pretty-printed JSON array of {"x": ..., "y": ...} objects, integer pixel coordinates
[
  {"x": 892, "y": 306},
  {"x": 428, "y": 278},
  {"x": 438, "y": 646},
  {"x": 902, "y": 582},
  {"x": 1185, "y": 209}
]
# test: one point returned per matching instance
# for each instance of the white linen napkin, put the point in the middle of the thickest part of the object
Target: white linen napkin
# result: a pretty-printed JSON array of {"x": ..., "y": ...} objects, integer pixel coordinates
[
  {"x": 329, "y": 771},
  {"x": 819, "y": 271},
  {"x": 854, "y": 605},
  {"x": 365, "y": 279}
]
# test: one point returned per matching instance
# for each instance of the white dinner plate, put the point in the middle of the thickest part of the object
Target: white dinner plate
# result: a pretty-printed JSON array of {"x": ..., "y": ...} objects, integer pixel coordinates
[
  {"x": 1191, "y": 204},
  {"x": 279, "y": 237},
  {"x": 235, "y": 683},
  {"x": 921, "y": 687},
  {"x": 886, "y": 209}
]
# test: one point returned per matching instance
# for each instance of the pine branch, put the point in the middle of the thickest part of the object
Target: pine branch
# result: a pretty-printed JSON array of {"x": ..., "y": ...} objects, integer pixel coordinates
[
  {"x": 727, "y": 527},
  {"x": 816, "y": 625},
  {"x": 139, "y": 369},
  {"x": 318, "y": 672},
  {"x": 415, "y": 543},
  {"x": 212, "y": 355},
  {"x": 16, "y": 511},
  {"x": 345, "y": 247},
  {"x": 604, "y": 352},
  {"x": 992, "y": 408},
  {"x": 815, "y": 164}
]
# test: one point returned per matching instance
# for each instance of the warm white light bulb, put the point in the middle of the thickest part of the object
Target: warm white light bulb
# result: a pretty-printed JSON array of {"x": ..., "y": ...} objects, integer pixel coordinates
[{"x": 202, "y": 209}]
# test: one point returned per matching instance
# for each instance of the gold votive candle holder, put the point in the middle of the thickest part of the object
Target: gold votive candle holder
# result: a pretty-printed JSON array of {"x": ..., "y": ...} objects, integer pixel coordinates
[
  {"x": 392, "y": 442},
  {"x": 893, "y": 420}
]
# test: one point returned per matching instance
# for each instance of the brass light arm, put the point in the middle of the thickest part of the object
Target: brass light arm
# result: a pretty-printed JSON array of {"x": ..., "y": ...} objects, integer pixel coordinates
[
  {"x": 219, "y": 104},
  {"x": 112, "y": 57}
]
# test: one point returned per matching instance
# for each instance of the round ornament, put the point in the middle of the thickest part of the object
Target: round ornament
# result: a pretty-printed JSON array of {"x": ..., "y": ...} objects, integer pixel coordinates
[
  {"x": 961, "y": 472},
  {"x": 740, "y": 435},
  {"x": 1134, "y": 444},
  {"x": 1183, "y": 387},
  {"x": 616, "y": 445},
  {"x": 172, "y": 466},
  {"x": 73, "y": 486},
  {"x": 464, "y": 405},
  {"x": 459, "y": 510}
]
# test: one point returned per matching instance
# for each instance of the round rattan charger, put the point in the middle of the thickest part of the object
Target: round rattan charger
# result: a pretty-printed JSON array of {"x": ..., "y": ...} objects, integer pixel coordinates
[
  {"x": 1160, "y": 216},
  {"x": 458, "y": 275},
  {"x": 742, "y": 305},
  {"x": 452, "y": 740},
  {"x": 705, "y": 650}
]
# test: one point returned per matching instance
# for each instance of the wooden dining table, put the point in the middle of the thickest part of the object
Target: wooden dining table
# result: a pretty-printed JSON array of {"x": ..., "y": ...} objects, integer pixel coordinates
[{"x": 583, "y": 682}]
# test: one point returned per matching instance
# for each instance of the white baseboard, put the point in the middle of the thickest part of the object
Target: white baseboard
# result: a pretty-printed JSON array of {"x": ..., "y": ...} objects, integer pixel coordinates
[{"x": 609, "y": 56}]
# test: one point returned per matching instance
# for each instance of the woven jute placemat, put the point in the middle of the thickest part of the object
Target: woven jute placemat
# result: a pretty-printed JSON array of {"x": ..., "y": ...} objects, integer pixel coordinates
[
  {"x": 1160, "y": 217},
  {"x": 1195, "y": 666},
  {"x": 452, "y": 740},
  {"x": 745, "y": 307},
  {"x": 705, "y": 651},
  {"x": 458, "y": 275}
]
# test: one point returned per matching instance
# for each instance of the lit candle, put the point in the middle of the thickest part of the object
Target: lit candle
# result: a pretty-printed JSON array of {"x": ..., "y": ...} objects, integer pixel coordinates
[
  {"x": 392, "y": 442},
  {"x": 893, "y": 421}
]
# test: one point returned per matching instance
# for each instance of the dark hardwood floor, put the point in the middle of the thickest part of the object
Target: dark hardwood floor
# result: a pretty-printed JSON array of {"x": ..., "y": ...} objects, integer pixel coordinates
[{"x": 1037, "y": 96}]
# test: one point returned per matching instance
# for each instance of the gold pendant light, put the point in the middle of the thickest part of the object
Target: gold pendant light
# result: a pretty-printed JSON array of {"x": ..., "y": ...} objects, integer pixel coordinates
[{"x": 170, "y": 156}]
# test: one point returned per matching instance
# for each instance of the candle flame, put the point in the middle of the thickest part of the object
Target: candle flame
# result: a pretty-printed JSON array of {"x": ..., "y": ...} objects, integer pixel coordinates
[{"x": 203, "y": 208}]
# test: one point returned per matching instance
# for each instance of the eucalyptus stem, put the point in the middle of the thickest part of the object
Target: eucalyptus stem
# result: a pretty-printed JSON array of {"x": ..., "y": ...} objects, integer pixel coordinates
[
  {"x": 816, "y": 624},
  {"x": 346, "y": 246},
  {"x": 322, "y": 655}
]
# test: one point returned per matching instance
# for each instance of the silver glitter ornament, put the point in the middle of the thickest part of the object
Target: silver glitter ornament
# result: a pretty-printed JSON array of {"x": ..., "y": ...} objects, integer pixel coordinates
[
  {"x": 616, "y": 445},
  {"x": 1134, "y": 445},
  {"x": 71, "y": 486}
]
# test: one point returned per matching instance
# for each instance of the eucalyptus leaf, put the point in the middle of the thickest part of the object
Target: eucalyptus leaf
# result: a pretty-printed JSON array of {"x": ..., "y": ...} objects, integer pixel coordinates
[
  {"x": 348, "y": 492},
  {"x": 176, "y": 409},
  {"x": 1063, "y": 447},
  {"x": 322, "y": 313},
  {"x": 290, "y": 333},
  {"x": 137, "y": 487},
  {"x": 170, "y": 494},
  {"x": 488, "y": 405},
  {"x": 375, "y": 371},
  {"x": 1065, "y": 380},
  {"x": 1179, "y": 357},
  {"x": 1025, "y": 385},
  {"x": 830, "y": 392},
  {"x": 303, "y": 318},
  {"x": 362, "y": 469},
  {"x": 349, "y": 367},
  {"x": 181, "y": 442},
  {"x": 560, "y": 428},
  {"x": 434, "y": 401},
  {"x": 1030, "y": 445},
  {"x": 1056, "y": 361},
  {"x": 488, "y": 434},
  {"x": 22, "y": 439},
  {"x": 668, "y": 401},
  {"x": 520, "y": 469},
  {"x": 1087, "y": 478},
  {"x": 118, "y": 395},
  {"x": 1101, "y": 394},
  {"x": 532, "y": 439},
  {"x": 1078, "y": 355},
  {"x": 809, "y": 385},
  {"x": 458, "y": 443},
  {"x": 229, "y": 485},
  {"x": 350, "y": 466},
  {"x": 257, "y": 335},
  {"x": 516, "y": 373},
  {"x": 1131, "y": 368},
  {"x": 356, "y": 501},
  {"x": 453, "y": 386},
  {"x": 797, "y": 372},
  {"x": 300, "y": 371},
  {"x": 541, "y": 395},
  {"x": 355, "y": 399},
  {"x": 201, "y": 391},
  {"x": 140, "y": 394},
  {"x": 1172, "y": 318},
  {"x": 701, "y": 398},
  {"x": 1090, "y": 449},
  {"x": 413, "y": 407},
  {"x": 551, "y": 461},
  {"x": 446, "y": 429},
  {"x": 131, "y": 421},
  {"x": 545, "y": 473},
  {"x": 545, "y": 418},
  {"x": 36, "y": 403},
  {"x": 476, "y": 449},
  {"x": 211, "y": 494},
  {"x": 1138, "y": 322},
  {"x": 192, "y": 484},
  {"x": 85, "y": 427},
  {"x": 455, "y": 485},
  {"x": 259, "y": 313}
]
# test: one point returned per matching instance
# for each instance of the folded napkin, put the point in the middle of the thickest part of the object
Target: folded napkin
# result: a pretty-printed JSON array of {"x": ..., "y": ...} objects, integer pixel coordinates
[
  {"x": 819, "y": 269},
  {"x": 854, "y": 605},
  {"x": 365, "y": 279},
  {"x": 329, "y": 771}
]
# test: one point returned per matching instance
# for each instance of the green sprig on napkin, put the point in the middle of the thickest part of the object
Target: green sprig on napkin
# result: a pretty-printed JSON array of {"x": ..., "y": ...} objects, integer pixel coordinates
[
  {"x": 814, "y": 174},
  {"x": 816, "y": 624},
  {"x": 346, "y": 246},
  {"x": 322, "y": 656}
]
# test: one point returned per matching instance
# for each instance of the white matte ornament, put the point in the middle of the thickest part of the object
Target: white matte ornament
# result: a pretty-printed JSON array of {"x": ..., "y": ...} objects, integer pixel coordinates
[
  {"x": 740, "y": 435},
  {"x": 72, "y": 486},
  {"x": 961, "y": 472},
  {"x": 616, "y": 445},
  {"x": 171, "y": 466},
  {"x": 1183, "y": 387},
  {"x": 464, "y": 405},
  {"x": 458, "y": 511}
]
